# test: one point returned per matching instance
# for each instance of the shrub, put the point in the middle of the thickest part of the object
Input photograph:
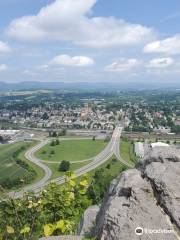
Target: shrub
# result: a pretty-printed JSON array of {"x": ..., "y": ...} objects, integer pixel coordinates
[
  {"x": 54, "y": 134},
  {"x": 52, "y": 152},
  {"x": 55, "y": 211},
  {"x": 64, "y": 166},
  {"x": 52, "y": 144}
]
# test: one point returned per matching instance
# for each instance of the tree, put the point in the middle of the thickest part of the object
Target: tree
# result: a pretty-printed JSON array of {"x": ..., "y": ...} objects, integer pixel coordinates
[
  {"x": 54, "y": 134},
  {"x": 54, "y": 211},
  {"x": 52, "y": 152},
  {"x": 52, "y": 144},
  {"x": 64, "y": 166},
  {"x": 45, "y": 116}
]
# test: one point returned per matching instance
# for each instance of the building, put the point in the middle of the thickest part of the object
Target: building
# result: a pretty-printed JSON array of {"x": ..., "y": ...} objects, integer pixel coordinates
[
  {"x": 159, "y": 144},
  {"x": 7, "y": 135},
  {"x": 162, "y": 130},
  {"x": 139, "y": 149}
]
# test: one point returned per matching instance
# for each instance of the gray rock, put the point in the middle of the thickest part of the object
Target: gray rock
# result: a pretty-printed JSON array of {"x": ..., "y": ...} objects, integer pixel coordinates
[
  {"x": 147, "y": 197},
  {"x": 165, "y": 180},
  {"x": 87, "y": 223},
  {"x": 160, "y": 154}
]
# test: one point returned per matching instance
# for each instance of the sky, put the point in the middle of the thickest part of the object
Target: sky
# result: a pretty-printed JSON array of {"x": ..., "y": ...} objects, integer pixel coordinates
[{"x": 90, "y": 41}]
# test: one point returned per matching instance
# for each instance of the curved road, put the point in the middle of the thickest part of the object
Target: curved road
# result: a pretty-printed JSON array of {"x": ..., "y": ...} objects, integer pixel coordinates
[{"x": 111, "y": 149}]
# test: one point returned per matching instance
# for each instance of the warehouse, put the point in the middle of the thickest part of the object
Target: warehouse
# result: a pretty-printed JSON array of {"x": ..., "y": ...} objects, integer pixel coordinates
[{"x": 139, "y": 149}]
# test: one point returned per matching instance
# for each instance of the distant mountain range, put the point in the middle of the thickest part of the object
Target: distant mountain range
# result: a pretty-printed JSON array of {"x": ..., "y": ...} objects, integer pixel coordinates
[{"x": 104, "y": 86}]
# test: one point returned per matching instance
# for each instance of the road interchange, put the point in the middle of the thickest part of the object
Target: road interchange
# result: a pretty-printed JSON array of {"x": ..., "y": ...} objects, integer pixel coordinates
[{"x": 111, "y": 149}]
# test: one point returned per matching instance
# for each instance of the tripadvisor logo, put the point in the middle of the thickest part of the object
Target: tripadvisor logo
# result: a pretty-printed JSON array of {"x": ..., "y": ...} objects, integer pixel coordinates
[{"x": 139, "y": 231}]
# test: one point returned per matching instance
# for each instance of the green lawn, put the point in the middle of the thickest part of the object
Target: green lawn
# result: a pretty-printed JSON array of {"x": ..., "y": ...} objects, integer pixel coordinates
[
  {"x": 115, "y": 169},
  {"x": 8, "y": 166},
  {"x": 55, "y": 166},
  {"x": 72, "y": 150},
  {"x": 10, "y": 169},
  {"x": 39, "y": 171},
  {"x": 127, "y": 151}
]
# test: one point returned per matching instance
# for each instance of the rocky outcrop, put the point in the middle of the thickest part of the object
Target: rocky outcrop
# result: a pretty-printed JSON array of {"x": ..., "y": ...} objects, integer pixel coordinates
[
  {"x": 141, "y": 204},
  {"x": 147, "y": 198},
  {"x": 88, "y": 220},
  {"x": 163, "y": 172}
]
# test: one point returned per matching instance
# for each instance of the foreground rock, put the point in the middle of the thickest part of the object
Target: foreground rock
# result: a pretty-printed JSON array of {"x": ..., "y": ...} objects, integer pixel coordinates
[
  {"x": 87, "y": 224},
  {"x": 147, "y": 197},
  {"x": 141, "y": 204},
  {"x": 163, "y": 172}
]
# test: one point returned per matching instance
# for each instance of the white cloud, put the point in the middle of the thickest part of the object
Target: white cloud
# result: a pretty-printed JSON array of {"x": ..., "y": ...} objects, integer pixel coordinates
[
  {"x": 160, "y": 63},
  {"x": 3, "y": 67},
  {"x": 76, "y": 61},
  {"x": 29, "y": 72},
  {"x": 4, "y": 48},
  {"x": 168, "y": 46},
  {"x": 123, "y": 65},
  {"x": 70, "y": 20}
]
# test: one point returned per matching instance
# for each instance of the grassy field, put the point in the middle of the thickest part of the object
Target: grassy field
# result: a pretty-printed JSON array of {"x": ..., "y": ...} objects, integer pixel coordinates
[
  {"x": 10, "y": 169},
  {"x": 72, "y": 150},
  {"x": 39, "y": 171},
  {"x": 115, "y": 169},
  {"x": 127, "y": 151},
  {"x": 55, "y": 166}
]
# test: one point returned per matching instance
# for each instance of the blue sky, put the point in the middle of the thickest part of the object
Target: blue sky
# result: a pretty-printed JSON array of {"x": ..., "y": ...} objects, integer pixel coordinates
[{"x": 90, "y": 40}]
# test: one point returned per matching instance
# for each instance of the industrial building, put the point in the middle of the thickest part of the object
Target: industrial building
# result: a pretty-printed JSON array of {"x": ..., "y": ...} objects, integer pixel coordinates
[{"x": 139, "y": 149}]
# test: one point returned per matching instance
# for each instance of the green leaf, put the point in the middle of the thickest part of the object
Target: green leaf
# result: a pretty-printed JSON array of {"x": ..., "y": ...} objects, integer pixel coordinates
[
  {"x": 84, "y": 183},
  {"x": 72, "y": 183},
  {"x": 25, "y": 230},
  {"x": 48, "y": 230},
  {"x": 82, "y": 191},
  {"x": 61, "y": 226},
  {"x": 10, "y": 229}
]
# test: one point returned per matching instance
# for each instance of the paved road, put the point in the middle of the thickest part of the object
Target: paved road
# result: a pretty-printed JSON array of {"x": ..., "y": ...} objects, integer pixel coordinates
[
  {"x": 47, "y": 171},
  {"x": 116, "y": 150},
  {"x": 111, "y": 149}
]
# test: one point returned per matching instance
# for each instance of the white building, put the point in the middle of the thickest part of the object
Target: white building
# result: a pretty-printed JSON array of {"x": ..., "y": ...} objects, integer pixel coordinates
[
  {"x": 139, "y": 149},
  {"x": 8, "y": 134},
  {"x": 159, "y": 144}
]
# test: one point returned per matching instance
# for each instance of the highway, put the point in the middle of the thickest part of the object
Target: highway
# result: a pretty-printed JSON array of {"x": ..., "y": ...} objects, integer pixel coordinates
[
  {"x": 47, "y": 171},
  {"x": 111, "y": 149}
]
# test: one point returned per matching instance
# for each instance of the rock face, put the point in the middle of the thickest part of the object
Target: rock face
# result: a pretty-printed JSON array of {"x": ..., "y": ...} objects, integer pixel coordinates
[
  {"x": 164, "y": 176},
  {"x": 147, "y": 198},
  {"x": 87, "y": 224}
]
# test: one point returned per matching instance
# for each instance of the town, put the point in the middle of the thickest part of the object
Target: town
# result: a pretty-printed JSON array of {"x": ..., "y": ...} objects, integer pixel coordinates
[{"x": 142, "y": 113}]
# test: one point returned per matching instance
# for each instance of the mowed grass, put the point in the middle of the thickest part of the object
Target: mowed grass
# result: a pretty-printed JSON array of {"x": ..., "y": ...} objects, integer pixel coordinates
[
  {"x": 9, "y": 169},
  {"x": 72, "y": 150},
  {"x": 127, "y": 151},
  {"x": 116, "y": 167},
  {"x": 55, "y": 168}
]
